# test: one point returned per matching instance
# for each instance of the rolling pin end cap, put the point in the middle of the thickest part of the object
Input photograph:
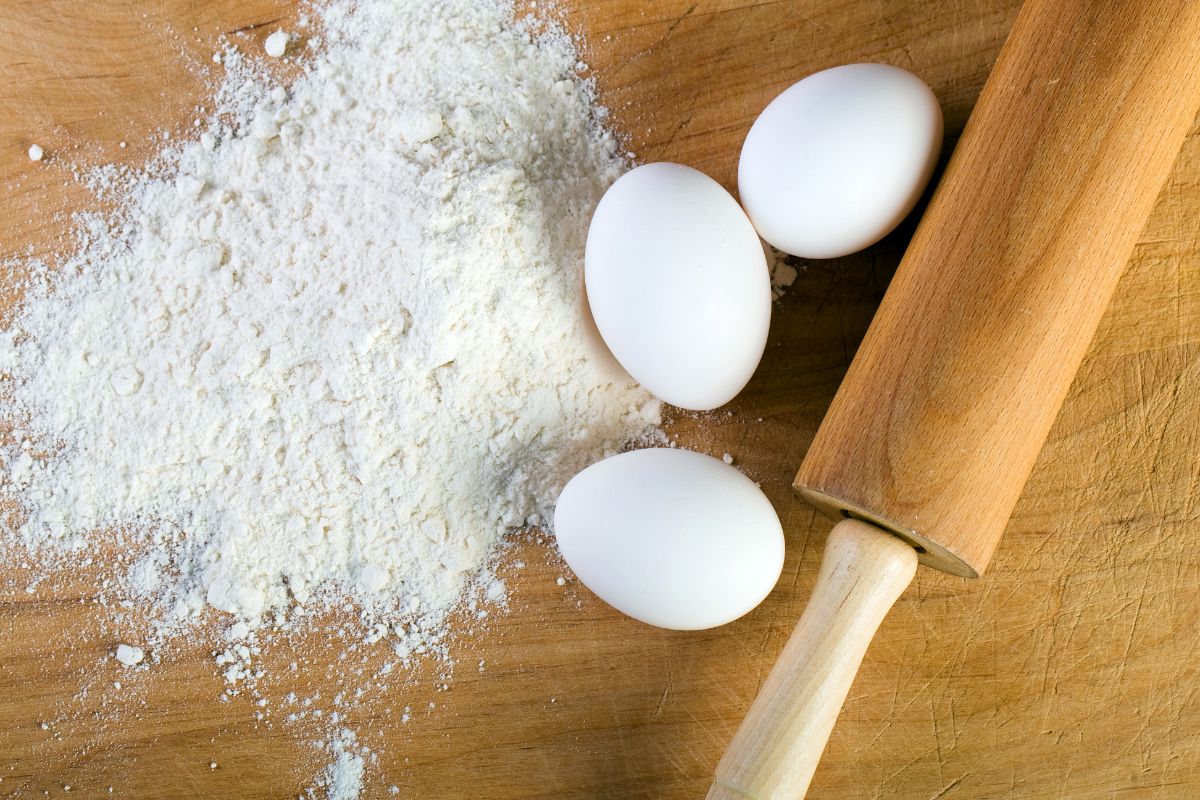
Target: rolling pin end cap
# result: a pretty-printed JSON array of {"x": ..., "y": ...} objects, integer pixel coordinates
[{"x": 929, "y": 552}]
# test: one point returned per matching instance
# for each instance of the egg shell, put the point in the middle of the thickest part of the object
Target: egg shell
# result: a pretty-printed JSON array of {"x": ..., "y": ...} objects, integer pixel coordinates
[
  {"x": 836, "y": 161},
  {"x": 670, "y": 537},
  {"x": 678, "y": 285}
]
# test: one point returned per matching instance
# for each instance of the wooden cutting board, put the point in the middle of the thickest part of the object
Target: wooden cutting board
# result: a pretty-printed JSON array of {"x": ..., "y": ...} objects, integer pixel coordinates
[{"x": 1069, "y": 671}]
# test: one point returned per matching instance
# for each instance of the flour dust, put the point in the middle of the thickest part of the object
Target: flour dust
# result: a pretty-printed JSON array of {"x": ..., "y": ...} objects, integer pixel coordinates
[{"x": 332, "y": 350}]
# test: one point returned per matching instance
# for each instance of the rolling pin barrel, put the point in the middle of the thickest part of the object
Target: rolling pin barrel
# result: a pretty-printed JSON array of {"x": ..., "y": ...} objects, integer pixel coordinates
[{"x": 940, "y": 418}]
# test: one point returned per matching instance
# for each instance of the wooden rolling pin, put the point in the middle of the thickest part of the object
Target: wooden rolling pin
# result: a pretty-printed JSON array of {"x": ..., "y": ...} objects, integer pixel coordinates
[{"x": 952, "y": 393}]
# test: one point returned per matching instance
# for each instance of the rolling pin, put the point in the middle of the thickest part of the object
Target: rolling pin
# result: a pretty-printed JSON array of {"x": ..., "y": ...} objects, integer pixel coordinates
[{"x": 940, "y": 418}]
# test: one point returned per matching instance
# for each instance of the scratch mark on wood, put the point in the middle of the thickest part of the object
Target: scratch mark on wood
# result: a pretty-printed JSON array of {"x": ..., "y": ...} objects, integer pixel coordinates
[
  {"x": 253, "y": 26},
  {"x": 945, "y": 790}
]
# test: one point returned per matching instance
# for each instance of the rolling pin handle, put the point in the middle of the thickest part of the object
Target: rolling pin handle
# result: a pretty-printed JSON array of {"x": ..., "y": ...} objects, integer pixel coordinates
[{"x": 775, "y": 751}]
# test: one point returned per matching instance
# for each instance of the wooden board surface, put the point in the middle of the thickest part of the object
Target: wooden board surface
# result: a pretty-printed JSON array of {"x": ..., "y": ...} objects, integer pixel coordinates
[{"x": 1068, "y": 671}]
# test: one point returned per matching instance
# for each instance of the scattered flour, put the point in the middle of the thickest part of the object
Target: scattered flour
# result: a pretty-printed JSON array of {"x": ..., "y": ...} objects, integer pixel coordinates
[
  {"x": 331, "y": 350},
  {"x": 341, "y": 347},
  {"x": 128, "y": 655},
  {"x": 36, "y": 152},
  {"x": 276, "y": 44},
  {"x": 343, "y": 778},
  {"x": 783, "y": 273}
]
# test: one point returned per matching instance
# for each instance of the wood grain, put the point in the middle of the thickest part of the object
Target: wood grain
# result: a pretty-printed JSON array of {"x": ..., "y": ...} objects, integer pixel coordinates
[
  {"x": 1068, "y": 671},
  {"x": 965, "y": 366}
]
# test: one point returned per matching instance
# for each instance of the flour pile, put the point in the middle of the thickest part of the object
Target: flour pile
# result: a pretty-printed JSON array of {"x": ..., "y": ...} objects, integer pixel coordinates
[{"x": 334, "y": 347}]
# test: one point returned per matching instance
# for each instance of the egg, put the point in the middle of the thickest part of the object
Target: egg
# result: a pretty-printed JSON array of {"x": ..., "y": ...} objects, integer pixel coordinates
[
  {"x": 670, "y": 537},
  {"x": 834, "y": 163},
  {"x": 678, "y": 285}
]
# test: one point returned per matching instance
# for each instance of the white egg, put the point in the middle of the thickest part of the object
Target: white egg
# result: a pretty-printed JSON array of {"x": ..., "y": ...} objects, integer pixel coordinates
[
  {"x": 834, "y": 163},
  {"x": 672, "y": 538},
  {"x": 678, "y": 285}
]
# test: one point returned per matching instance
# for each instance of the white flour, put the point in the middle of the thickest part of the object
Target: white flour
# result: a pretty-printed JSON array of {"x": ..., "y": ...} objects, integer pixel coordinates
[
  {"x": 335, "y": 348},
  {"x": 343, "y": 778}
]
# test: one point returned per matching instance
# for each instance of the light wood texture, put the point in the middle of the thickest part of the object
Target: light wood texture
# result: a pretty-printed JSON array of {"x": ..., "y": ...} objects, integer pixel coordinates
[
  {"x": 1067, "y": 672},
  {"x": 950, "y": 397},
  {"x": 776, "y": 749}
]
